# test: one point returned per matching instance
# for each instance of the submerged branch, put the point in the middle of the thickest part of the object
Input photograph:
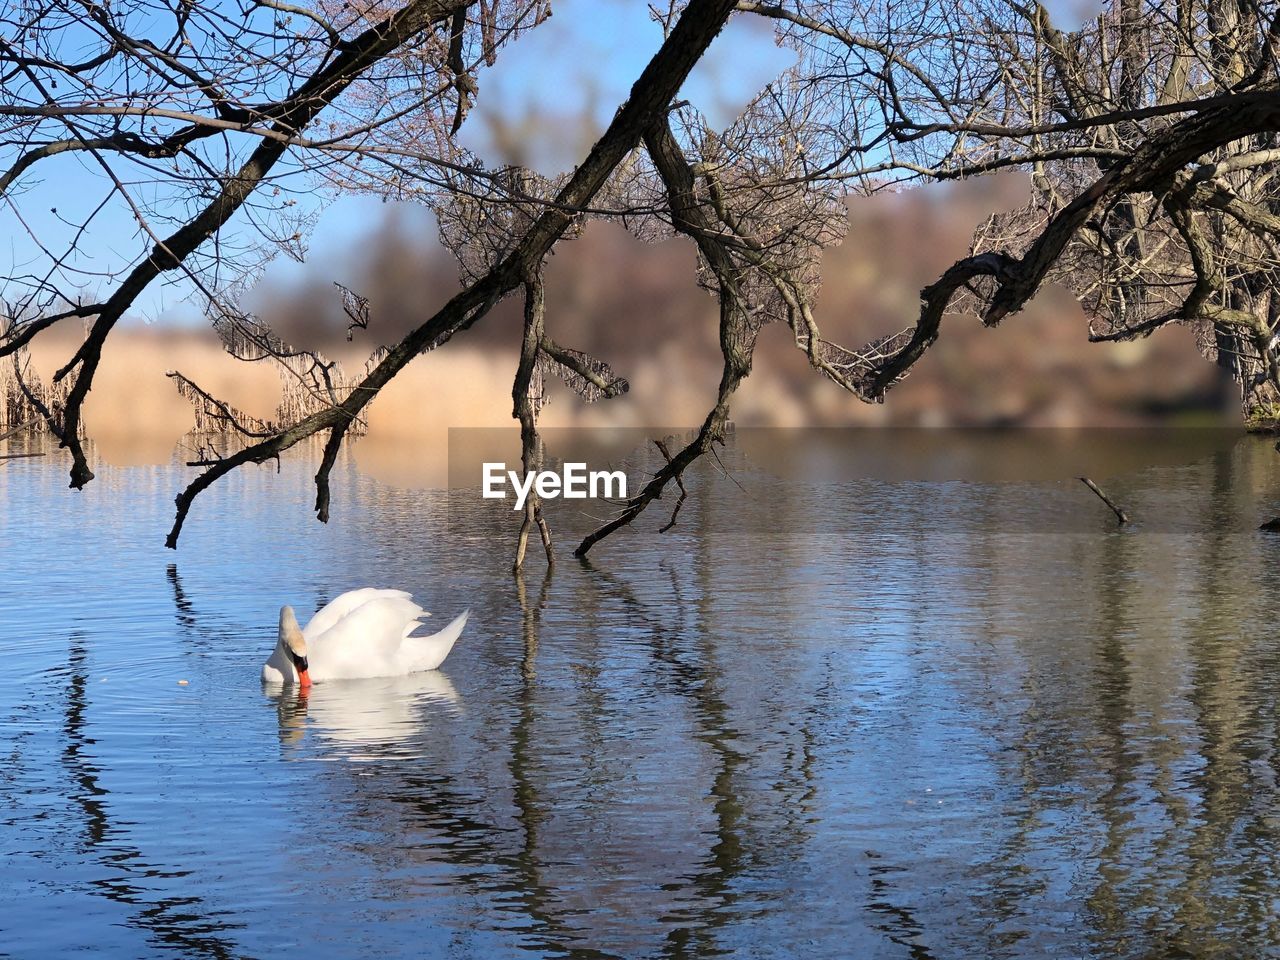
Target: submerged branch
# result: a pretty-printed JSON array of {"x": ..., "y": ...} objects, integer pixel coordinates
[
  {"x": 684, "y": 493},
  {"x": 1115, "y": 508},
  {"x": 527, "y": 397},
  {"x": 736, "y": 338}
]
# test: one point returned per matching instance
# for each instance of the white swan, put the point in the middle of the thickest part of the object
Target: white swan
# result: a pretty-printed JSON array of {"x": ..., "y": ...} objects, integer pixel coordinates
[{"x": 362, "y": 633}]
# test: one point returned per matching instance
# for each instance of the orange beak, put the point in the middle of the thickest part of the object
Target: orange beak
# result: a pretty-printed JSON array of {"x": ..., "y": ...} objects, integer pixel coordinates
[{"x": 300, "y": 664}]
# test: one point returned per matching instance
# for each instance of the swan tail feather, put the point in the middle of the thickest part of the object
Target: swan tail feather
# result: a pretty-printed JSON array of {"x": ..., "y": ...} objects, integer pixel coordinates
[{"x": 427, "y": 653}]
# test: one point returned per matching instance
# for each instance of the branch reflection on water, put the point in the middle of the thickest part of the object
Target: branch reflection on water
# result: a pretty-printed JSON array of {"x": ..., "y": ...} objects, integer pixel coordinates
[{"x": 181, "y": 922}]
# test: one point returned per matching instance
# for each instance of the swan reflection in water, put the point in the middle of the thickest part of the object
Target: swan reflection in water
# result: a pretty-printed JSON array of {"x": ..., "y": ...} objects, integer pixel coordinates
[{"x": 378, "y": 711}]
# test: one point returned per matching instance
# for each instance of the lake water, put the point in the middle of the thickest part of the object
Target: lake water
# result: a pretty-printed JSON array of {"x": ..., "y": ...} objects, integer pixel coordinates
[{"x": 872, "y": 718}]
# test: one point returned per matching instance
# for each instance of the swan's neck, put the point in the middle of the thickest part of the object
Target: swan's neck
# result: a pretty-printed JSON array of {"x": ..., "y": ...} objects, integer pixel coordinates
[{"x": 299, "y": 665}]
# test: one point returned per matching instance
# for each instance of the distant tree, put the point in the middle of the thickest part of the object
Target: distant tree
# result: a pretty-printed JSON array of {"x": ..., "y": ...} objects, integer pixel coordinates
[{"x": 1149, "y": 136}]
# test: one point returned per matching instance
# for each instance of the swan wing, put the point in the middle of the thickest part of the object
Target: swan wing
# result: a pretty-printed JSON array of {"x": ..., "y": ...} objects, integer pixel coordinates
[
  {"x": 343, "y": 604},
  {"x": 366, "y": 641}
]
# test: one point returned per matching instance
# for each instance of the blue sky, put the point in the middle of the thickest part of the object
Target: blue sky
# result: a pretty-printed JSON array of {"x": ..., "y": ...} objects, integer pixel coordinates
[{"x": 570, "y": 74}]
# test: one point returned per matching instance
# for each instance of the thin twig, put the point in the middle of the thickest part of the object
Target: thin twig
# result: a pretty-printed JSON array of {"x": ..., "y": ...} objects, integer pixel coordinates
[
  {"x": 1120, "y": 514},
  {"x": 684, "y": 494}
]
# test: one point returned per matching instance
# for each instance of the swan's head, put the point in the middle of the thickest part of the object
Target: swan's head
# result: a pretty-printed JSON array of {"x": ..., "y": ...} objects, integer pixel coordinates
[{"x": 292, "y": 646}]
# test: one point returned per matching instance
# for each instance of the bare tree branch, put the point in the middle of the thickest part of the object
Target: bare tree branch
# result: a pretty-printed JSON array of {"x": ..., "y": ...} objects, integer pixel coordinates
[{"x": 654, "y": 89}]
